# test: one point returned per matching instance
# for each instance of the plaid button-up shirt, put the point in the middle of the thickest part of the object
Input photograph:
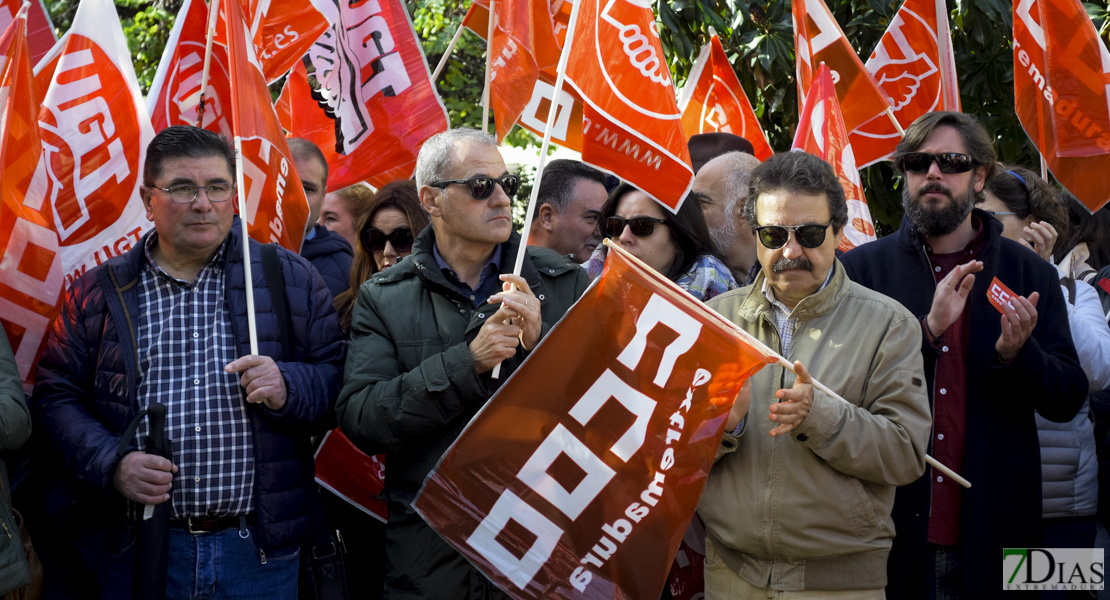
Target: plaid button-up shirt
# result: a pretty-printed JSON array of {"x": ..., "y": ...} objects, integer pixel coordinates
[{"x": 184, "y": 340}]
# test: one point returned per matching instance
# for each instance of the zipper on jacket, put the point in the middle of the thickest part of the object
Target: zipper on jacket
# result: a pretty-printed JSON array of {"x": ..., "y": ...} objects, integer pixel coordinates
[
  {"x": 262, "y": 555},
  {"x": 6, "y": 530}
]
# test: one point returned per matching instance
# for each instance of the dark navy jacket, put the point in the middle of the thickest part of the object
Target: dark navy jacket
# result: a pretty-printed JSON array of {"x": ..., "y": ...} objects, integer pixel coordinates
[
  {"x": 332, "y": 256},
  {"x": 1002, "y": 458},
  {"x": 85, "y": 395}
]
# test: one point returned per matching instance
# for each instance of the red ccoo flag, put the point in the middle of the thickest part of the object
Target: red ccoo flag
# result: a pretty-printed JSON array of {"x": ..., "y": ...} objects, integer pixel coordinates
[
  {"x": 523, "y": 43},
  {"x": 1062, "y": 93},
  {"x": 174, "y": 95},
  {"x": 818, "y": 39},
  {"x": 821, "y": 132},
  {"x": 631, "y": 125},
  {"x": 30, "y": 266},
  {"x": 368, "y": 107},
  {"x": 712, "y": 100},
  {"x": 914, "y": 65},
  {"x": 277, "y": 209}
]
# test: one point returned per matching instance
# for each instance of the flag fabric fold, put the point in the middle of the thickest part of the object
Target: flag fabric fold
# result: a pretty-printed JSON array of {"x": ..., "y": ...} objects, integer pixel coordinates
[
  {"x": 713, "y": 100},
  {"x": 281, "y": 31},
  {"x": 586, "y": 489},
  {"x": 40, "y": 29},
  {"x": 1062, "y": 93},
  {"x": 821, "y": 132},
  {"x": 523, "y": 43}
]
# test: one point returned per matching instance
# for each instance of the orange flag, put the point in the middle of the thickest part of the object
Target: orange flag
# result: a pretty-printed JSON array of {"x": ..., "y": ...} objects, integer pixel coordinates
[
  {"x": 821, "y": 132},
  {"x": 915, "y": 66},
  {"x": 174, "y": 95},
  {"x": 818, "y": 39},
  {"x": 523, "y": 43},
  {"x": 582, "y": 486},
  {"x": 282, "y": 30},
  {"x": 1062, "y": 93},
  {"x": 368, "y": 107},
  {"x": 95, "y": 131},
  {"x": 30, "y": 264},
  {"x": 277, "y": 209},
  {"x": 40, "y": 30},
  {"x": 631, "y": 125},
  {"x": 712, "y": 100}
]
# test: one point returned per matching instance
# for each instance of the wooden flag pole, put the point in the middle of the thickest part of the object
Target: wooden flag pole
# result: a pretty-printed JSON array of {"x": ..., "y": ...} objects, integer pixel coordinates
[
  {"x": 764, "y": 349},
  {"x": 447, "y": 53},
  {"x": 489, "y": 63},
  {"x": 1044, "y": 167},
  {"x": 210, "y": 33},
  {"x": 897, "y": 125},
  {"x": 252, "y": 327},
  {"x": 564, "y": 56}
]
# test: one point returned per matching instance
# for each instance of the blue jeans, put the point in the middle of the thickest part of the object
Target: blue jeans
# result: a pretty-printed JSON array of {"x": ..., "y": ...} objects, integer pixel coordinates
[{"x": 227, "y": 564}]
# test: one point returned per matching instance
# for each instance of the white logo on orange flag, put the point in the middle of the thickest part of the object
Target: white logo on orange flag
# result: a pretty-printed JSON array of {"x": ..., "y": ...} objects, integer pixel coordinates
[
  {"x": 174, "y": 96},
  {"x": 585, "y": 490},
  {"x": 95, "y": 131},
  {"x": 631, "y": 125},
  {"x": 31, "y": 266},
  {"x": 40, "y": 30},
  {"x": 1062, "y": 93},
  {"x": 368, "y": 106},
  {"x": 523, "y": 44},
  {"x": 818, "y": 39},
  {"x": 914, "y": 65},
  {"x": 277, "y": 209},
  {"x": 712, "y": 100},
  {"x": 821, "y": 132},
  {"x": 282, "y": 30}
]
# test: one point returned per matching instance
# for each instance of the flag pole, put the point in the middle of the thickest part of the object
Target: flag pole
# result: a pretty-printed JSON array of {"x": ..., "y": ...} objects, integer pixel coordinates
[
  {"x": 489, "y": 63},
  {"x": 210, "y": 33},
  {"x": 447, "y": 53},
  {"x": 564, "y": 56},
  {"x": 1044, "y": 167},
  {"x": 897, "y": 125},
  {"x": 767, "y": 351},
  {"x": 252, "y": 327}
]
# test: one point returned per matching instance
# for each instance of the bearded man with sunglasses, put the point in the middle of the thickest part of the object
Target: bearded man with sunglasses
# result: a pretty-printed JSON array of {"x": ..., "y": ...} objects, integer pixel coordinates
[
  {"x": 798, "y": 502},
  {"x": 987, "y": 372},
  {"x": 426, "y": 334}
]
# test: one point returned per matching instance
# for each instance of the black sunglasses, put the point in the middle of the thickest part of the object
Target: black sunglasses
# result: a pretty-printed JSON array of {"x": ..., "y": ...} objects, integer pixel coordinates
[
  {"x": 639, "y": 226},
  {"x": 776, "y": 236},
  {"x": 375, "y": 239},
  {"x": 949, "y": 162},
  {"x": 481, "y": 186}
]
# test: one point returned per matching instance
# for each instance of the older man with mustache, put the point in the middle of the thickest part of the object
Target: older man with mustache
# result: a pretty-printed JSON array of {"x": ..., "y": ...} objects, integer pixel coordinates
[
  {"x": 798, "y": 502},
  {"x": 988, "y": 373}
]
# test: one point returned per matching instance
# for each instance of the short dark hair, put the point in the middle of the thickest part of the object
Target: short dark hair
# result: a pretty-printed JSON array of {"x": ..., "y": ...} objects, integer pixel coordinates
[
  {"x": 1025, "y": 194},
  {"x": 302, "y": 148},
  {"x": 557, "y": 183},
  {"x": 185, "y": 141},
  {"x": 687, "y": 227},
  {"x": 797, "y": 172},
  {"x": 1085, "y": 226},
  {"x": 975, "y": 136}
]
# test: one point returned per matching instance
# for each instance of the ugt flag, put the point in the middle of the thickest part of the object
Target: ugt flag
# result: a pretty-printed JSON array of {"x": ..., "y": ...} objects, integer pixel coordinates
[
  {"x": 30, "y": 266},
  {"x": 821, "y": 132},
  {"x": 914, "y": 64},
  {"x": 368, "y": 106},
  {"x": 1062, "y": 93},
  {"x": 95, "y": 131},
  {"x": 582, "y": 486},
  {"x": 712, "y": 100},
  {"x": 174, "y": 96},
  {"x": 631, "y": 125}
]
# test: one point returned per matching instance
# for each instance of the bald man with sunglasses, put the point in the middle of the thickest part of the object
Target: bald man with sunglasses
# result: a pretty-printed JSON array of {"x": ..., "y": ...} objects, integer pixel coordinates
[
  {"x": 798, "y": 503},
  {"x": 989, "y": 367},
  {"x": 426, "y": 334}
]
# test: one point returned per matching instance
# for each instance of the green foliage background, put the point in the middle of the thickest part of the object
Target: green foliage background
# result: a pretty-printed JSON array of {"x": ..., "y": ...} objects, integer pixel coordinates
[{"x": 757, "y": 36}]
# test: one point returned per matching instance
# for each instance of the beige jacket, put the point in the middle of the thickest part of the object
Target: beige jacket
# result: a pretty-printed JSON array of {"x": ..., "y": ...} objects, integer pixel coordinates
[{"x": 811, "y": 510}]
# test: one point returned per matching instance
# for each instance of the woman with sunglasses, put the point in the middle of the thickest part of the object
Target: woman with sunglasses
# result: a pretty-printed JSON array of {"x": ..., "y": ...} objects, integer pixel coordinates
[
  {"x": 676, "y": 245},
  {"x": 1031, "y": 214},
  {"x": 392, "y": 221}
]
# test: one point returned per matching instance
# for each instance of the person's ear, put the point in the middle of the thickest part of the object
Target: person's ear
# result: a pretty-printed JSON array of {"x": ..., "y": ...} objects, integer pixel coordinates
[
  {"x": 547, "y": 217},
  {"x": 430, "y": 199}
]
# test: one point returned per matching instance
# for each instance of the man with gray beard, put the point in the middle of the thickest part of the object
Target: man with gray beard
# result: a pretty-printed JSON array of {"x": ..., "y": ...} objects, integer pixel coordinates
[
  {"x": 720, "y": 187},
  {"x": 987, "y": 373}
]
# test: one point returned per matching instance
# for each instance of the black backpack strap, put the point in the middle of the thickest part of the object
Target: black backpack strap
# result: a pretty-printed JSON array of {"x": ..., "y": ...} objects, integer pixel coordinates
[
  {"x": 275, "y": 282},
  {"x": 1069, "y": 283}
]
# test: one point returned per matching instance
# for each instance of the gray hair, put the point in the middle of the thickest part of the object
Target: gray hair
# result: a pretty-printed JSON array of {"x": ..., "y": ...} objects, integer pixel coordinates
[
  {"x": 738, "y": 174},
  {"x": 435, "y": 158}
]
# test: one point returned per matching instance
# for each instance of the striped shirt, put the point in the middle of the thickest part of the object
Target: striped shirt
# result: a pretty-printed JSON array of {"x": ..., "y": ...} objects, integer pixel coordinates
[{"x": 184, "y": 341}]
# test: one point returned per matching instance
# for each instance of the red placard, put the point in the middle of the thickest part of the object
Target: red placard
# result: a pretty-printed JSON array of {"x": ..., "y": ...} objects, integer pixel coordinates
[
  {"x": 351, "y": 474},
  {"x": 1000, "y": 295}
]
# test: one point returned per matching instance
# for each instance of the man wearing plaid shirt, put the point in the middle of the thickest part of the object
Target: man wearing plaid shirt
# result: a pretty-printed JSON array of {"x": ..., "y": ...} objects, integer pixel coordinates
[{"x": 166, "y": 323}]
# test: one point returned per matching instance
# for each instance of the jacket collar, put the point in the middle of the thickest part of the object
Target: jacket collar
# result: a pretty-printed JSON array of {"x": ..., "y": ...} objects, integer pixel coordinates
[{"x": 813, "y": 306}]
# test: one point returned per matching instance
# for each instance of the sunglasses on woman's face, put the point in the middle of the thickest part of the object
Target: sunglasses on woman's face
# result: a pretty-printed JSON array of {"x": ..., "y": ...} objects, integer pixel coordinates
[
  {"x": 375, "y": 239},
  {"x": 639, "y": 226},
  {"x": 776, "y": 236}
]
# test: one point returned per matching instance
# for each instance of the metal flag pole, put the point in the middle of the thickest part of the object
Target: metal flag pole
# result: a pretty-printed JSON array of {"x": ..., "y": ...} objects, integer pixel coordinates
[{"x": 210, "y": 34}]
